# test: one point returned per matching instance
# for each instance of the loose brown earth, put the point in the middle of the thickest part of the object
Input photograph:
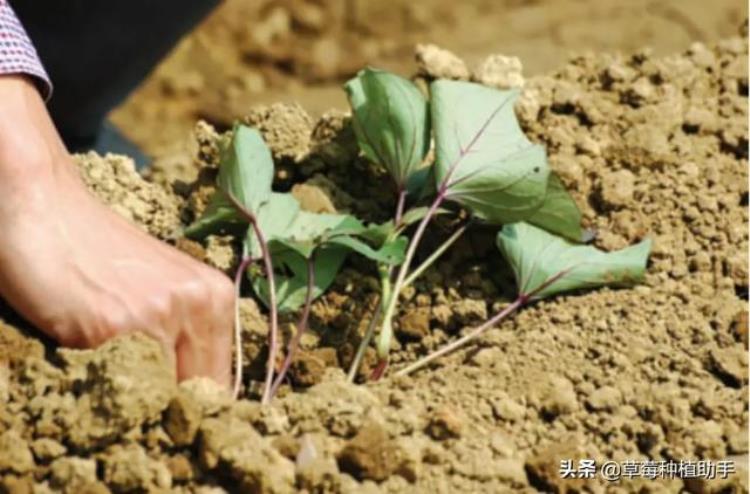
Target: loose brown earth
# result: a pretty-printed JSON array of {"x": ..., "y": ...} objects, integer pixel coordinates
[
  {"x": 266, "y": 51},
  {"x": 649, "y": 147}
]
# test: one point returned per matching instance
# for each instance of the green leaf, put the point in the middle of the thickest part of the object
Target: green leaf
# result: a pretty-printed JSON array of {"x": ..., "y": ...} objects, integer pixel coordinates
[
  {"x": 294, "y": 236},
  {"x": 391, "y": 121},
  {"x": 246, "y": 170},
  {"x": 421, "y": 183},
  {"x": 559, "y": 213},
  {"x": 280, "y": 246},
  {"x": 220, "y": 215},
  {"x": 291, "y": 277},
  {"x": 309, "y": 226},
  {"x": 308, "y": 231},
  {"x": 391, "y": 252},
  {"x": 379, "y": 233},
  {"x": 274, "y": 220},
  {"x": 417, "y": 214},
  {"x": 545, "y": 264},
  {"x": 492, "y": 168}
]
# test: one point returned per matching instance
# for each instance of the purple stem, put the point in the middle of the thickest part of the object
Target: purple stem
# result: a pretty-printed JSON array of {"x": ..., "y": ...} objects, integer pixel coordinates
[
  {"x": 301, "y": 328},
  {"x": 417, "y": 238},
  {"x": 400, "y": 205},
  {"x": 379, "y": 369},
  {"x": 445, "y": 184},
  {"x": 273, "y": 344},
  {"x": 391, "y": 304},
  {"x": 520, "y": 301},
  {"x": 274, "y": 331}
]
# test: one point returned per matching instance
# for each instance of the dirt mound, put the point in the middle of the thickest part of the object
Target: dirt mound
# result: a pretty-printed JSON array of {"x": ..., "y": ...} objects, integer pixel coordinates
[
  {"x": 649, "y": 147},
  {"x": 114, "y": 180},
  {"x": 267, "y": 51}
]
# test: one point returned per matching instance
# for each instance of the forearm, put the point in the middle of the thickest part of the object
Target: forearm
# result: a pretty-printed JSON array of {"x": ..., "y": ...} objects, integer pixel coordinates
[{"x": 28, "y": 138}]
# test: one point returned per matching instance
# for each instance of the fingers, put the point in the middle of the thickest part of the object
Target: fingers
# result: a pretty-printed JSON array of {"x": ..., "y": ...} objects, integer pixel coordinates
[
  {"x": 204, "y": 347},
  {"x": 205, "y": 355},
  {"x": 223, "y": 332}
]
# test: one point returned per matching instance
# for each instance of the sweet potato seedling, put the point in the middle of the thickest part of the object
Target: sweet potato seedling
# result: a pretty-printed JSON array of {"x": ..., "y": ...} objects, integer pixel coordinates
[
  {"x": 301, "y": 252},
  {"x": 243, "y": 188},
  {"x": 483, "y": 164}
]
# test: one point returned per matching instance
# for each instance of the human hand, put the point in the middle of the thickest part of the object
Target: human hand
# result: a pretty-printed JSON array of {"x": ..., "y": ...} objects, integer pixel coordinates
[{"x": 81, "y": 273}]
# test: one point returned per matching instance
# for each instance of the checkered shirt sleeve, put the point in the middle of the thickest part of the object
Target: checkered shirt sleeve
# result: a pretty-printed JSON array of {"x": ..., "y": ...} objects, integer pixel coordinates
[{"x": 17, "y": 53}]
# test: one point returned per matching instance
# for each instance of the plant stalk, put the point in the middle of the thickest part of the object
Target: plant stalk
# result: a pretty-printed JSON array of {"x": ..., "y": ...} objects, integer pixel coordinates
[
  {"x": 379, "y": 370},
  {"x": 385, "y": 283},
  {"x": 238, "y": 326},
  {"x": 435, "y": 255},
  {"x": 268, "y": 264},
  {"x": 273, "y": 337},
  {"x": 302, "y": 325},
  {"x": 400, "y": 206},
  {"x": 386, "y": 330},
  {"x": 520, "y": 301},
  {"x": 362, "y": 348},
  {"x": 408, "y": 281}
]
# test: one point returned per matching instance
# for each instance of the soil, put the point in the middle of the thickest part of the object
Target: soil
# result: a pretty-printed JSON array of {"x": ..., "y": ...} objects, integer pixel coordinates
[
  {"x": 649, "y": 146},
  {"x": 300, "y": 51}
]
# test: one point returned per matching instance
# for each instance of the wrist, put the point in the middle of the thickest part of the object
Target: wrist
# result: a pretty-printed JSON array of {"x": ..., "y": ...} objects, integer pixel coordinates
[{"x": 29, "y": 143}]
